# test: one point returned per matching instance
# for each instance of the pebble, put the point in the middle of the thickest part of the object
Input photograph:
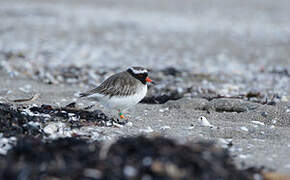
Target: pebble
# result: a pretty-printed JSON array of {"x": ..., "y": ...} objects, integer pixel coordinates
[
  {"x": 165, "y": 127},
  {"x": 258, "y": 177},
  {"x": 191, "y": 127},
  {"x": 129, "y": 124},
  {"x": 30, "y": 113},
  {"x": 147, "y": 130},
  {"x": 55, "y": 129},
  {"x": 284, "y": 99},
  {"x": 244, "y": 156},
  {"x": 269, "y": 158},
  {"x": 224, "y": 142},
  {"x": 26, "y": 88},
  {"x": 73, "y": 117},
  {"x": 50, "y": 128},
  {"x": 163, "y": 110},
  {"x": 147, "y": 161},
  {"x": 264, "y": 114},
  {"x": 6, "y": 144},
  {"x": 145, "y": 112},
  {"x": 272, "y": 127},
  {"x": 34, "y": 124},
  {"x": 274, "y": 121},
  {"x": 243, "y": 128},
  {"x": 249, "y": 146},
  {"x": 92, "y": 173},
  {"x": 259, "y": 123},
  {"x": 255, "y": 126},
  {"x": 129, "y": 171}
]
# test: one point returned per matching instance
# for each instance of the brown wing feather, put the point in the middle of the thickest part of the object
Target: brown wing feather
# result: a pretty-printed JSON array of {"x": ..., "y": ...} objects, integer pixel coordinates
[{"x": 120, "y": 84}]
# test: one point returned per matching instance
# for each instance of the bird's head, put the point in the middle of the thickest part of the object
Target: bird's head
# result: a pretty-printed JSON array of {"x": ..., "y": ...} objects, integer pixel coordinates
[{"x": 140, "y": 73}]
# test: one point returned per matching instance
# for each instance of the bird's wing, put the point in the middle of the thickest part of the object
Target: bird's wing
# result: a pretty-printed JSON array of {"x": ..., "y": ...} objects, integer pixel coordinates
[{"x": 113, "y": 86}]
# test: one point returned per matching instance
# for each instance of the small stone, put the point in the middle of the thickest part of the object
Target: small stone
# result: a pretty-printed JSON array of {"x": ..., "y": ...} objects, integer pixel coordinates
[
  {"x": 242, "y": 156},
  {"x": 71, "y": 114},
  {"x": 165, "y": 127},
  {"x": 50, "y": 128},
  {"x": 225, "y": 143},
  {"x": 92, "y": 173},
  {"x": 284, "y": 99},
  {"x": 258, "y": 122},
  {"x": 157, "y": 167},
  {"x": 147, "y": 161},
  {"x": 34, "y": 124},
  {"x": 258, "y": 176},
  {"x": 163, "y": 110},
  {"x": 146, "y": 177},
  {"x": 264, "y": 114},
  {"x": 243, "y": 128},
  {"x": 274, "y": 121},
  {"x": 130, "y": 171},
  {"x": 129, "y": 124},
  {"x": 6, "y": 144},
  {"x": 191, "y": 127},
  {"x": 13, "y": 138},
  {"x": 147, "y": 130}
]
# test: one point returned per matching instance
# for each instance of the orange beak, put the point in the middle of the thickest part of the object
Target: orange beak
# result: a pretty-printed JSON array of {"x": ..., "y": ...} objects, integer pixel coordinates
[{"x": 148, "y": 79}]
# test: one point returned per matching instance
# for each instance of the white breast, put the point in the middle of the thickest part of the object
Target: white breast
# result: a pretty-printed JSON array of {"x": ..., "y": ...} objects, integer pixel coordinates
[{"x": 121, "y": 103}]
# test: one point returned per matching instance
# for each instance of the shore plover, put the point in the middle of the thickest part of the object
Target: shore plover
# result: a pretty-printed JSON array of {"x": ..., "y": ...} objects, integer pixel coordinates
[{"x": 121, "y": 90}]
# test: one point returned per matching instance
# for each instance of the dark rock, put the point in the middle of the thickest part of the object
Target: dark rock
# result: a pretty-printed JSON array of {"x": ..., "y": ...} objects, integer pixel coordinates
[
  {"x": 161, "y": 99},
  {"x": 171, "y": 71},
  {"x": 62, "y": 158},
  {"x": 71, "y": 105},
  {"x": 162, "y": 158},
  {"x": 230, "y": 105},
  {"x": 128, "y": 158}
]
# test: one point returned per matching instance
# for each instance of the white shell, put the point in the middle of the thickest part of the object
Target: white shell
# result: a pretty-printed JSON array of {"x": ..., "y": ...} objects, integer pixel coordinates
[{"x": 203, "y": 121}]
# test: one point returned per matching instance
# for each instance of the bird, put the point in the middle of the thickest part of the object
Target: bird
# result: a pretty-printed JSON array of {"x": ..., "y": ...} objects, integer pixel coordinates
[{"x": 121, "y": 90}]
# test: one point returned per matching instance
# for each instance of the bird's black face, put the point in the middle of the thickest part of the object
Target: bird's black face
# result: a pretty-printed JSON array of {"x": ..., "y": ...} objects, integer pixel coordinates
[
  {"x": 140, "y": 74},
  {"x": 142, "y": 77}
]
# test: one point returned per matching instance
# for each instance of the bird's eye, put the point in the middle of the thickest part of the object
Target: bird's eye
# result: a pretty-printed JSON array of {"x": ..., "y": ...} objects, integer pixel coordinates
[{"x": 140, "y": 75}]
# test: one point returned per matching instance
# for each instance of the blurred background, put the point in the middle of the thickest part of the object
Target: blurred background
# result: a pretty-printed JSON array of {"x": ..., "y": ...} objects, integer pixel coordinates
[{"x": 211, "y": 36}]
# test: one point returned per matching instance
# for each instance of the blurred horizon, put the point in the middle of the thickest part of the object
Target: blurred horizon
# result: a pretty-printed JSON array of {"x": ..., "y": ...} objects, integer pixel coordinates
[{"x": 207, "y": 36}]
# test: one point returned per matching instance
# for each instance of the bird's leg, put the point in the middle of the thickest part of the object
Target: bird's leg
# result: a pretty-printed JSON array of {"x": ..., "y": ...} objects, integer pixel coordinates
[{"x": 121, "y": 115}]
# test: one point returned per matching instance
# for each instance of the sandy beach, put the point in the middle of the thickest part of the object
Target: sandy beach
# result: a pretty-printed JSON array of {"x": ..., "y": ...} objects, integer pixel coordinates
[{"x": 228, "y": 62}]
